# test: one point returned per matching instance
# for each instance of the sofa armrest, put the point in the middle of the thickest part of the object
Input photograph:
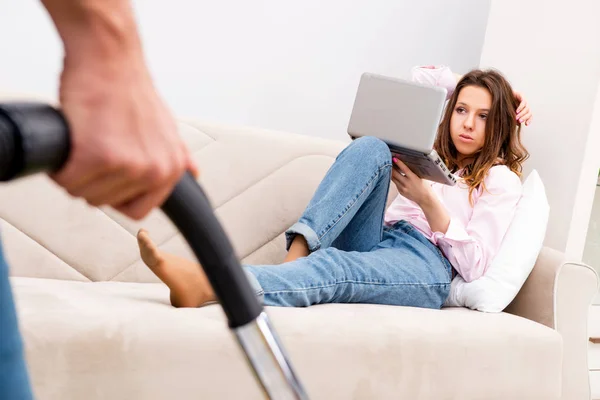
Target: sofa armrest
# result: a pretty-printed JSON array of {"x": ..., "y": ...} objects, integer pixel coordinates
[{"x": 558, "y": 294}]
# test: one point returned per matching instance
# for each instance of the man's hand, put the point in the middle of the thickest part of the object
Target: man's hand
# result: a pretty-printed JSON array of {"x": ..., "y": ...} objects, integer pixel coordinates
[{"x": 126, "y": 152}]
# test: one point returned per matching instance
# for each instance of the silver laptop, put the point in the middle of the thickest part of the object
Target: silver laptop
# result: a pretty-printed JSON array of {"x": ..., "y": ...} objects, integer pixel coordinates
[{"x": 405, "y": 115}]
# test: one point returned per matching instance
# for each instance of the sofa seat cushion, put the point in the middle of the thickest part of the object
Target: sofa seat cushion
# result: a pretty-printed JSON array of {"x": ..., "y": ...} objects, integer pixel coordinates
[{"x": 125, "y": 341}]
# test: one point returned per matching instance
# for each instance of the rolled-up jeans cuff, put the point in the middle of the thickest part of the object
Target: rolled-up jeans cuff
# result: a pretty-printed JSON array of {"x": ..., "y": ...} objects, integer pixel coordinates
[
  {"x": 309, "y": 234},
  {"x": 256, "y": 287}
]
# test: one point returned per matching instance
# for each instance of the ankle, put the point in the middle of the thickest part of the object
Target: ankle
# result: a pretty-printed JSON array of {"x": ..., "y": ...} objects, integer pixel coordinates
[{"x": 298, "y": 249}]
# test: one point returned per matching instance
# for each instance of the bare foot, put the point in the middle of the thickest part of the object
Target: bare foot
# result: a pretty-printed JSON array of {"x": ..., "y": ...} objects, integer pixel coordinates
[{"x": 188, "y": 283}]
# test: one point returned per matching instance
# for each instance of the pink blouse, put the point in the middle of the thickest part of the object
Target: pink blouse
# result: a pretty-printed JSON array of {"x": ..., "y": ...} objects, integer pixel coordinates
[{"x": 475, "y": 232}]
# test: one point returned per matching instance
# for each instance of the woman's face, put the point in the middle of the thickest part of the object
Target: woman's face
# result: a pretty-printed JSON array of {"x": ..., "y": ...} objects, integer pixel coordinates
[{"x": 467, "y": 125}]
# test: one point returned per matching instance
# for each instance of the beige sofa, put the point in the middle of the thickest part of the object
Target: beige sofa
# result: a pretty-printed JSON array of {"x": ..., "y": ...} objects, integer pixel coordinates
[{"x": 98, "y": 325}]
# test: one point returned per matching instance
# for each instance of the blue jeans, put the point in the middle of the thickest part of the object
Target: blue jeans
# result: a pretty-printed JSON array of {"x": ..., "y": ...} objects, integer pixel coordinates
[
  {"x": 353, "y": 257},
  {"x": 14, "y": 381}
]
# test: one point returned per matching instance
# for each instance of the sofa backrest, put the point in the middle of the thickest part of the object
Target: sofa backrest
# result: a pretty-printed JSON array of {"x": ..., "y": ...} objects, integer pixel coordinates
[{"x": 258, "y": 181}]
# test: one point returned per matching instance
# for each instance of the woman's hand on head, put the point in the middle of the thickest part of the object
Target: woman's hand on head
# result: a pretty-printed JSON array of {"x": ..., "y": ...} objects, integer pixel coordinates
[
  {"x": 409, "y": 184},
  {"x": 524, "y": 115}
]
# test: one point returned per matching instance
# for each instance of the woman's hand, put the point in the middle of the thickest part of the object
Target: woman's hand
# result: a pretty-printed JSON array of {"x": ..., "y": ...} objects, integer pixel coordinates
[
  {"x": 523, "y": 112},
  {"x": 416, "y": 189},
  {"x": 409, "y": 184}
]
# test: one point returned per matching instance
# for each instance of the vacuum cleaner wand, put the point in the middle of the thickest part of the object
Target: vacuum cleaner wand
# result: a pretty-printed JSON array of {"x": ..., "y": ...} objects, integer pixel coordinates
[{"x": 35, "y": 137}]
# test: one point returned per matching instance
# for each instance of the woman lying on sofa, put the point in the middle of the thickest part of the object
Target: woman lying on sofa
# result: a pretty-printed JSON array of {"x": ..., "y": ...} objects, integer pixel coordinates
[{"x": 347, "y": 248}]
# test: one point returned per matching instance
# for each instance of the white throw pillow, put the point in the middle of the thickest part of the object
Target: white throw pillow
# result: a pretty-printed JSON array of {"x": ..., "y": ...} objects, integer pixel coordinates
[{"x": 515, "y": 259}]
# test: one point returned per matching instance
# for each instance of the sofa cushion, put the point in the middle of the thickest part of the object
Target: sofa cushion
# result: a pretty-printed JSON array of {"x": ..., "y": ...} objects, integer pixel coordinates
[{"x": 125, "y": 341}]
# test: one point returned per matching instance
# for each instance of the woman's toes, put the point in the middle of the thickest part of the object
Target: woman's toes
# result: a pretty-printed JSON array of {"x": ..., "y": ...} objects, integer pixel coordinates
[{"x": 148, "y": 251}]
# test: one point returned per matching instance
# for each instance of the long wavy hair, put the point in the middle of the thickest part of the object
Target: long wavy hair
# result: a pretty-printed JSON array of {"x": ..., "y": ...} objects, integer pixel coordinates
[{"x": 502, "y": 142}]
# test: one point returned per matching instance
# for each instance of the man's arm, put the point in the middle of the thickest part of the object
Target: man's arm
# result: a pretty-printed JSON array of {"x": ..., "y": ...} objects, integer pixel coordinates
[
  {"x": 126, "y": 149},
  {"x": 96, "y": 29}
]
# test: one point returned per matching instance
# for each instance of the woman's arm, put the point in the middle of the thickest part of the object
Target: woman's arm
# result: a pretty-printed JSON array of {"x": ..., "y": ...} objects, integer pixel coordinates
[
  {"x": 471, "y": 248},
  {"x": 432, "y": 75},
  {"x": 418, "y": 190},
  {"x": 435, "y": 212}
]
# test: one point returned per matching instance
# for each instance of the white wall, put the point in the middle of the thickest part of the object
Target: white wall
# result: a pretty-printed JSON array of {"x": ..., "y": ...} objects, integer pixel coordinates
[
  {"x": 550, "y": 50},
  {"x": 277, "y": 64}
]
